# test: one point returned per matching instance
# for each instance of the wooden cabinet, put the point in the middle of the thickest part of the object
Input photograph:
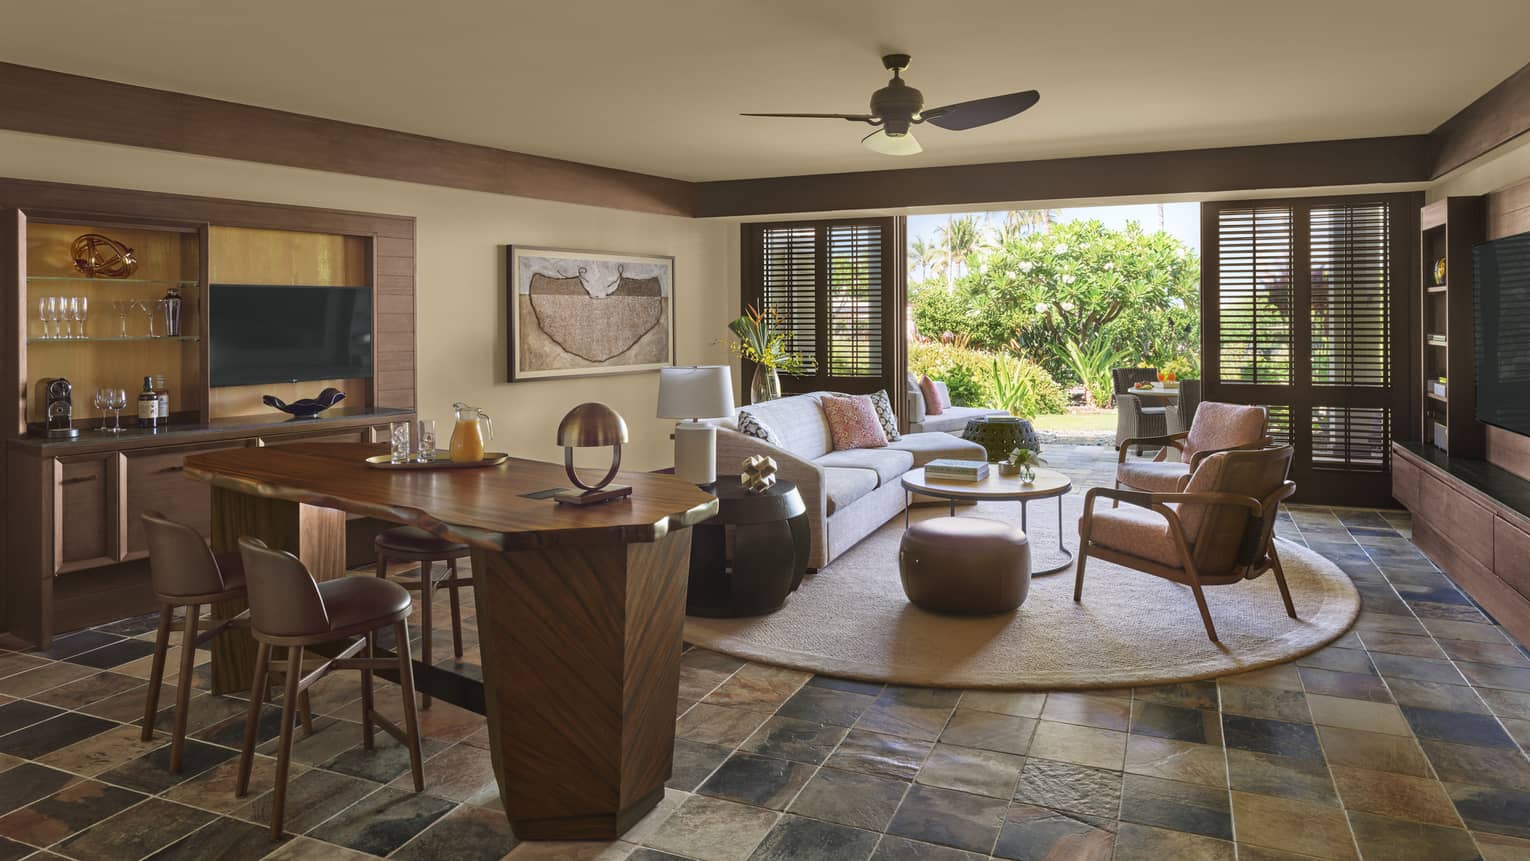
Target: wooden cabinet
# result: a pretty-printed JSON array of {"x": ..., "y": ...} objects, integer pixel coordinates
[
  {"x": 1452, "y": 513},
  {"x": 1511, "y": 554},
  {"x": 155, "y": 483},
  {"x": 1405, "y": 483},
  {"x": 87, "y": 509}
]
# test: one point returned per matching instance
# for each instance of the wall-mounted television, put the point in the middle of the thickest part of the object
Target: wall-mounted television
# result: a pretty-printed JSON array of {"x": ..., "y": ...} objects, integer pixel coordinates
[
  {"x": 264, "y": 333},
  {"x": 1501, "y": 308}
]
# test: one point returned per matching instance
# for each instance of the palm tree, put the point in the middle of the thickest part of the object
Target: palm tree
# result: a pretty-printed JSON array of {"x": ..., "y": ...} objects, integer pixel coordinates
[
  {"x": 920, "y": 254},
  {"x": 1018, "y": 223},
  {"x": 960, "y": 238}
]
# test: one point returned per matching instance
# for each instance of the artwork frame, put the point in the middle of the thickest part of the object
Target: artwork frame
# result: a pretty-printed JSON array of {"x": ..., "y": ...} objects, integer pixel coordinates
[{"x": 584, "y": 313}]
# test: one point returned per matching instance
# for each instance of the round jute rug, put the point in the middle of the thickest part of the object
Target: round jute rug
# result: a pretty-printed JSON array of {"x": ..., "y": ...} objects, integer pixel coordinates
[{"x": 852, "y": 620}]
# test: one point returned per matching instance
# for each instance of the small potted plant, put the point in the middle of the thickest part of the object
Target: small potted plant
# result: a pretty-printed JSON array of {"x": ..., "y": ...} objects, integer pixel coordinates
[
  {"x": 1021, "y": 462},
  {"x": 761, "y": 339}
]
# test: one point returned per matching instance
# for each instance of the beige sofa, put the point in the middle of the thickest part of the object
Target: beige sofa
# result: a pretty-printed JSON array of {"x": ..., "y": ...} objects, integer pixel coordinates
[
  {"x": 849, "y": 494},
  {"x": 950, "y": 420}
]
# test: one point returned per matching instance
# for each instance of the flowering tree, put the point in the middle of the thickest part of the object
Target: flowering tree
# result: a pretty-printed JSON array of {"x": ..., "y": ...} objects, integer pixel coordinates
[{"x": 1137, "y": 291}]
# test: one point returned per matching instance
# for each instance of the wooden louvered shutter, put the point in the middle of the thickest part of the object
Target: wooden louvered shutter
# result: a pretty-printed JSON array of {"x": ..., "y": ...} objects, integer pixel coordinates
[
  {"x": 1305, "y": 312},
  {"x": 838, "y": 287}
]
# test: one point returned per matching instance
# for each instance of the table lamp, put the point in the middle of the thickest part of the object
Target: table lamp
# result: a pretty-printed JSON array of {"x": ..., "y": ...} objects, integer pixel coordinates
[
  {"x": 691, "y": 393},
  {"x": 592, "y": 425}
]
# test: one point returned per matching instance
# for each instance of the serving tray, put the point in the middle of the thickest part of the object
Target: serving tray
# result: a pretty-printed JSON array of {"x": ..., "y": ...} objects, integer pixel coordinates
[{"x": 442, "y": 461}]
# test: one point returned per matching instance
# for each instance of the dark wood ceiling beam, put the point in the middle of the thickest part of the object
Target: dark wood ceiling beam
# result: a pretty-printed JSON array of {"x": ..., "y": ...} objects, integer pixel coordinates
[
  {"x": 53, "y": 103},
  {"x": 1497, "y": 117},
  {"x": 1275, "y": 166}
]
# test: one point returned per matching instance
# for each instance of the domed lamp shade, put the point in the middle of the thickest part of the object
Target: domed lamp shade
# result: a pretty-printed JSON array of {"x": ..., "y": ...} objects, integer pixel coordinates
[{"x": 592, "y": 425}]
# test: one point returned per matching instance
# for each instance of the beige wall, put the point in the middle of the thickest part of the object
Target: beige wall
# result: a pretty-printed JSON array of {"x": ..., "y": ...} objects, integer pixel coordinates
[{"x": 460, "y": 276}]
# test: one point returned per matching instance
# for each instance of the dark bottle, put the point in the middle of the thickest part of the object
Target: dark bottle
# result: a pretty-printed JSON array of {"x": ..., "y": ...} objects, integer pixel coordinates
[{"x": 148, "y": 406}]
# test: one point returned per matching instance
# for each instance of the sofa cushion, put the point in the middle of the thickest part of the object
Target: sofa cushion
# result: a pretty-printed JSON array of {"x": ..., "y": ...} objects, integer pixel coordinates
[
  {"x": 798, "y": 422},
  {"x": 750, "y": 425},
  {"x": 954, "y": 420},
  {"x": 853, "y": 422},
  {"x": 887, "y": 464},
  {"x": 926, "y": 447},
  {"x": 843, "y": 486},
  {"x": 932, "y": 402},
  {"x": 885, "y": 414},
  {"x": 1153, "y": 476}
]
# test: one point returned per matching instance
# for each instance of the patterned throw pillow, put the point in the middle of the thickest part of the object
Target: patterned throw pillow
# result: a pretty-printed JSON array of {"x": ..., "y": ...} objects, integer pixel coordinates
[
  {"x": 931, "y": 394},
  {"x": 853, "y": 422},
  {"x": 883, "y": 404},
  {"x": 750, "y": 425}
]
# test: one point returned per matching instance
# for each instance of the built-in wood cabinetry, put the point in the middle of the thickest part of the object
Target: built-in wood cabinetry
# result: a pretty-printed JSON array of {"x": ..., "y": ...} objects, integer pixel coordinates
[
  {"x": 1448, "y": 230},
  {"x": 73, "y": 541}
]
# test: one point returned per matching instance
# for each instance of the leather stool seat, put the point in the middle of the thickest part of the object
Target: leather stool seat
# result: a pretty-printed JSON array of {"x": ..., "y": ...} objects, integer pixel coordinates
[
  {"x": 361, "y": 601},
  {"x": 965, "y": 565},
  {"x": 412, "y": 539}
]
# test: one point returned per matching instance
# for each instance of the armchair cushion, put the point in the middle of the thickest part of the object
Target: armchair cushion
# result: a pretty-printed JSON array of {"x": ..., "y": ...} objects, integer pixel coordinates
[
  {"x": 1154, "y": 476},
  {"x": 885, "y": 463},
  {"x": 1137, "y": 531},
  {"x": 1218, "y": 426},
  {"x": 844, "y": 485}
]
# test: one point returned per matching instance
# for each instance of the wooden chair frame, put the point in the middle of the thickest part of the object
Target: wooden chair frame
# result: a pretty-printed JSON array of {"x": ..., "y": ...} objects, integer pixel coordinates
[{"x": 1257, "y": 557}]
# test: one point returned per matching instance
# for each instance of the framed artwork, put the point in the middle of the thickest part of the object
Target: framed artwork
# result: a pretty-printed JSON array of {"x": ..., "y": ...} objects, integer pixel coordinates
[{"x": 588, "y": 313}]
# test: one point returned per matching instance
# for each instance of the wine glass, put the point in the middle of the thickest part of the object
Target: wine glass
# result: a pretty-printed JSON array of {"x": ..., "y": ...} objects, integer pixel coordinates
[
  {"x": 42, "y": 314},
  {"x": 50, "y": 316},
  {"x": 117, "y": 403},
  {"x": 102, "y": 402},
  {"x": 80, "y": 311},
  {"x": 69, "y": 311},
  {"x": 123, "y": 307}
]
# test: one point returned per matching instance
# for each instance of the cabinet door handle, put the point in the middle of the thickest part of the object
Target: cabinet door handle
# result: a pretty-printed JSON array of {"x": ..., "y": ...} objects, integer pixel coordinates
[
  {"x": 172, "y": 469},
  {"x": 78, "y": 479}
]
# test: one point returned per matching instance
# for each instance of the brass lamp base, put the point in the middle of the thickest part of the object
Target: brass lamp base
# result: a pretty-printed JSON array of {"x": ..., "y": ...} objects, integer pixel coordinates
[{"x": 590, "y": 497}]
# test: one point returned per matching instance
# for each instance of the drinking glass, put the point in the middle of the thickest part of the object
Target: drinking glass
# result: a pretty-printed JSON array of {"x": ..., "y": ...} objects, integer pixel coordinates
[
  {"x": 50, "y": 315},
  {"x": 426, "y": 441},
  {"x": 80, "y": 312},
  {"x": 123, "y": 307},
  {"x": 42, "y": 314},
  {"x": 400, "y": 442},
  {"x": 149, "y": 307},
  {"x": 71, "y": 312},
  {"x": 117, "y": 403},
  {"x": 102, "y": 402}
]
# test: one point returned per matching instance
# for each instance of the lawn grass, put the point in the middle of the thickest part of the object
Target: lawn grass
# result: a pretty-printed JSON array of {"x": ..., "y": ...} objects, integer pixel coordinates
[{"x": 1075, "y": 422}]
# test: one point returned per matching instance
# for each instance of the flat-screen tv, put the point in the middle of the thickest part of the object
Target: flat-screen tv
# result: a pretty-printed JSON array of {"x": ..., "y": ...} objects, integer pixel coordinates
[
  {"x": 1501, "y": 307},
  {"x": 263, "y": 333}
]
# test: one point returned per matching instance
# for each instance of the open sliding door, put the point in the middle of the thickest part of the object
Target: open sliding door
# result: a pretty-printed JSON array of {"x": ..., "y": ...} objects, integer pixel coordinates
[
  {"x": 838, "y": 287},
  {"x": 1306, "y": 310}
]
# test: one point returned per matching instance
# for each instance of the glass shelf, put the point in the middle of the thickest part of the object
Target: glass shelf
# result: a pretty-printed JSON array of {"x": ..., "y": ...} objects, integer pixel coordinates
[
  {"x": 79, "y": 279},
  {"x": 131, "y": 338}
]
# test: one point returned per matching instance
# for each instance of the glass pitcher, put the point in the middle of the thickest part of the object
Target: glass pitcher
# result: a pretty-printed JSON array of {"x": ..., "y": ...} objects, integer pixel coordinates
[{"x": 472, "y": 428}]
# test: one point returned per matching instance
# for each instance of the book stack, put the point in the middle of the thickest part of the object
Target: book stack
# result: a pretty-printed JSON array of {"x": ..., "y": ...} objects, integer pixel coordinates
[{"x": 948, "y": 469}]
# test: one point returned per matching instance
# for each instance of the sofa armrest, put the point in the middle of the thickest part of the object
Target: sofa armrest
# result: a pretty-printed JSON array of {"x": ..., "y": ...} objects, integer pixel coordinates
[
  {"x": 733, "y": 447},
  {"x": 915, "y": 406}
]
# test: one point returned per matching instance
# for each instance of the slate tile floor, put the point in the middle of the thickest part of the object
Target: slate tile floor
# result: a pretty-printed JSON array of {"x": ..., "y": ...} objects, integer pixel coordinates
[{"x": 1405, "y": 739}]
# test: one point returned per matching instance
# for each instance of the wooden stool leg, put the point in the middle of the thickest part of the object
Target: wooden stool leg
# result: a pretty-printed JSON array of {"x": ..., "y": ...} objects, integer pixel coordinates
[
  {"x": 382, "y": 565},
  {"x": 157, "y": 669},
  {"x": 284, "y": 751},
  {"x": 305, "y": 709},
  {"x": 252, "y": 721},
  {"x": 451, "y": 585},
  {"x": 183, "y": 687},
  {"x": 427, "y": 598},
  {"x": 367, "y": 734},
  {"x": 411, "y": 720}
]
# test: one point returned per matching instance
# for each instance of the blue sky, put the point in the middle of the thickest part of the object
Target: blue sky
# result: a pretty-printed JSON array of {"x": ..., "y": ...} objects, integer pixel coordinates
[{"x": 1183, "y": 220}]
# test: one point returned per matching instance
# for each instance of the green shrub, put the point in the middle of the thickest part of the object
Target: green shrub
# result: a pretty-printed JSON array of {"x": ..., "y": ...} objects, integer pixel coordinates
[
  {"x": 996, "y": 381},
  {"x": 1182, "y": 367}
]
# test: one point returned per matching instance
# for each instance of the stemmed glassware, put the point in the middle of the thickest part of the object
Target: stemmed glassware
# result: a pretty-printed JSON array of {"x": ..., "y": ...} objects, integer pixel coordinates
[
  {"x": 79, "y": 307},
  {"x": 47, "y": 312},
  {"x": 149, "y": 307},
  {"x": 123, "y": 307},
  {"x": 108, "y": 398}
]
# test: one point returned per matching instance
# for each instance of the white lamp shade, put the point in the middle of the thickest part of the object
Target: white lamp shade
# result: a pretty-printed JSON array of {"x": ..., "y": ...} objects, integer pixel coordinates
[{"x": 695, "y": 392}]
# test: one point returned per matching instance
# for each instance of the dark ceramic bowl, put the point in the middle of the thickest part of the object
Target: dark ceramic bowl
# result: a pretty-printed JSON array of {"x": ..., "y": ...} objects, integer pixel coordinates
[{"x": 306, "y": 408}]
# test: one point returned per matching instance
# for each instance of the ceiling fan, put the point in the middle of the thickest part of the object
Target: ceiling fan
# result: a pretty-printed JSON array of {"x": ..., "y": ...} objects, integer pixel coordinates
[{"x": 897, "y": 108}]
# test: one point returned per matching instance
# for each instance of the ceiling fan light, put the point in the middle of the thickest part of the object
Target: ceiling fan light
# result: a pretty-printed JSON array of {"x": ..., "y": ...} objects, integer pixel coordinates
[{"x": 881, "y": 142}]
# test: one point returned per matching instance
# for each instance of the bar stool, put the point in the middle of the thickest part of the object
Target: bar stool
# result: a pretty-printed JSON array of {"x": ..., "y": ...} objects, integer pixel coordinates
[
  {"x": 184, "y": 573},
  {"x": 288, "y": 609},
  {"x": 412, "y": 544}
]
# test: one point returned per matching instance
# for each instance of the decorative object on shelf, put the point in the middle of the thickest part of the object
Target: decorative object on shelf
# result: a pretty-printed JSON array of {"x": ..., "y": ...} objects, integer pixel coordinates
[
  {"x": 58, "y": 409},
  {"x": 1441, "y": 437},
  {"x": 101, "y": 256},
  {"x": 999, "y": 435},
  {"x": 759, "y": 473},
  {"x": 1439, "y": 340},
  {"x": 1439, "y": 272},
  {"x": 1022, "y": 462},
  {"x": 592, "y": 425},
  {"x": 761, "y": 340},
  {"x": 471, "y": 428},
  {"x": 582, "y": 313},
  {"x": 306, "y": 408},
  {"x": 436, "y": 460},
  {"x": 171, "y": 306},
  {"x": 691, "y": 394},
  {"x": 1438, "y": 387}
]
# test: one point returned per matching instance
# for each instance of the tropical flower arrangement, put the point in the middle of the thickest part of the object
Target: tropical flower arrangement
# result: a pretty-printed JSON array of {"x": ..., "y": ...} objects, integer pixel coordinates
[{"x": 760, "y": 338}]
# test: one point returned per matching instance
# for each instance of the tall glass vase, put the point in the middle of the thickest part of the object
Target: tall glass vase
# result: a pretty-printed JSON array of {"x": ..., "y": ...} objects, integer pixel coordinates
[{"x": 766, "y": 385}]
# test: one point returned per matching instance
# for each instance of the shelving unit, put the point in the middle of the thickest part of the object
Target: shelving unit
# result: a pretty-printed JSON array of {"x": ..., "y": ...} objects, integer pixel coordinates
[{"x": 1448, "y": 229}]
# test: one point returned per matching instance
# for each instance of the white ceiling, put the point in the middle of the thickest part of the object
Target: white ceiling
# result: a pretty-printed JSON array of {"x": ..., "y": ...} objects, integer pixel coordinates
[{"x": 656, "y": 86}]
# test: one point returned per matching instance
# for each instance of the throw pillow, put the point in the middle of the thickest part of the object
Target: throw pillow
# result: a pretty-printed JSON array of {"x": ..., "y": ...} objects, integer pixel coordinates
[
  {"x": 750, "y": 425},
  {"x": 945, "y": 395},
  {"x": 883, "y": 404},
  {"x": 932, "y": 405},
  {"x": 853, "y": 422}
]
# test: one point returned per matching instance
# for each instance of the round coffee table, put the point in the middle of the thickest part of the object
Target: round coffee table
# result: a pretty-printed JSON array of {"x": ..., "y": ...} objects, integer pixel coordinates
[{"x": 1049, "y": 483}]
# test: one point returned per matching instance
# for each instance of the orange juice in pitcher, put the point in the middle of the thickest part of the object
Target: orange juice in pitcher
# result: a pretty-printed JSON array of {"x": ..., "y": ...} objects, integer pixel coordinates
[{"x": 468, "y": 435}]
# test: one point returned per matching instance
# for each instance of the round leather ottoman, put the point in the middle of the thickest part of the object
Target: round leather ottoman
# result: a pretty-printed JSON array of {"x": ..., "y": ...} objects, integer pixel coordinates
[{"x": 969, "y": 566}]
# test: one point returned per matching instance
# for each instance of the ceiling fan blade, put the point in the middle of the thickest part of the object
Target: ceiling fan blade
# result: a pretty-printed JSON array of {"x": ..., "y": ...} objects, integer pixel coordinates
[
  {"x": 886, "y": 144},
  {"x": 980, "y": 112},
  {"x": 854, "y": 118}
]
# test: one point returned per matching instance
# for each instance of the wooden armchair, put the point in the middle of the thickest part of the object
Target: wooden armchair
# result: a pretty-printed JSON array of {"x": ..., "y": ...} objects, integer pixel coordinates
[
  {"x": 1219, "y": 530},
  {"x": 1217, "y": 427}
]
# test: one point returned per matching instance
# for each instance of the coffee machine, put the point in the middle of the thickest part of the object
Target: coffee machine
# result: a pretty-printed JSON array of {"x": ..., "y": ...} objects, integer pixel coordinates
[{"x": 58, "y": 411}]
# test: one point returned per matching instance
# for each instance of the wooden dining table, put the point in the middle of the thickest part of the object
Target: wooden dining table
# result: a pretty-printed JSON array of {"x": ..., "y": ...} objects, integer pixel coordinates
[{"x": 580, "y": 610}]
